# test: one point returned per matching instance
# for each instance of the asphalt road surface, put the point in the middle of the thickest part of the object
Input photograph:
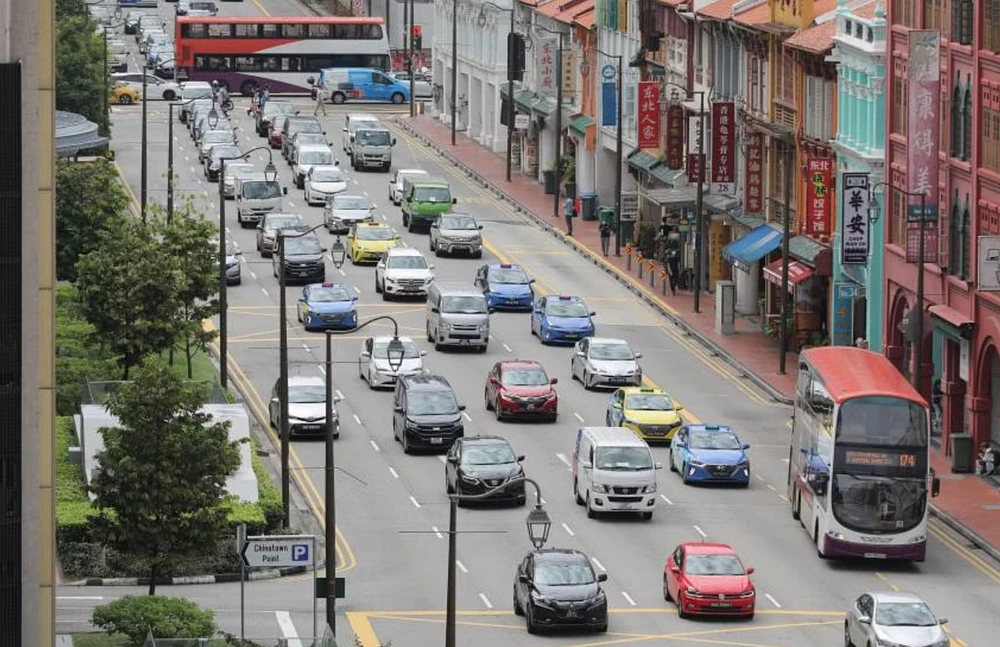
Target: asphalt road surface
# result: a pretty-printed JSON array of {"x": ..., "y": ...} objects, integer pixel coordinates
[{"x": 391, "y": 507}]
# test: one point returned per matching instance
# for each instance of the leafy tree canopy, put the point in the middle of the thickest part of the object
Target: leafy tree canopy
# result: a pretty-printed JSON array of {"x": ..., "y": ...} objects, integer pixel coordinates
[
  {"x": 80, "y": 78},
  {"x": 89, "y": 200}
]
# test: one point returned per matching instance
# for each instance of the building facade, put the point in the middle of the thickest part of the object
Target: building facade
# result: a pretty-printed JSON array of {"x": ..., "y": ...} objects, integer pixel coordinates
[{"x": 961, "y": 308}]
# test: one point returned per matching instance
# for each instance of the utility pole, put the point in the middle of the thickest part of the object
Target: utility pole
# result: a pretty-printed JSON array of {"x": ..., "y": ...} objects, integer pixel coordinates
[
  {"x": 223, "y": 282},
  {"x": 918, "y": 310},
  {"x": 330, "y": 496},
  {"x": 619, "y": 157},
  {"x": 454, "y": 71},
  {"x": 144, "y": 153},
  {"x": 409, "y": 60},
  {"x": 699, "y": 208},
  {"x": 559, "y": 104},
  {"x": 283, "y": 384},
  {"x": 786, "y": 227}
]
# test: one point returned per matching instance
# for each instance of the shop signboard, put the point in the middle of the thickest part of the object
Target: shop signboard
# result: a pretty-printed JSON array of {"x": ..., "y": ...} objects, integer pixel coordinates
[
  {"x": 694, "y": 169},
  {"x": 923, "y": 124},
  {"x": 753, "y": 186},
  {"x": 843, "y": 314},
  {"x": 521, "y": 121},
  {"x": 674, "y": 148},
  {"x": 914, "y": 231},
  {"x": 630, "y": 204},
  {"x": 649, "y": 115},
  {"x": 818, "y": 195},
  {"x": 568, "y": 74},
  {"x": 546, "y": 80},
  {"x": 609, "y": 103},
  {"x": 723, "y": 148},
  {"x": 988, "y": 268},
  {"x": 855, "y": 227}
]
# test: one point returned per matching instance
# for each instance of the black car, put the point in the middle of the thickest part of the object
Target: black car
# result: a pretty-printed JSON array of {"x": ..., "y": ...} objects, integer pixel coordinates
[
  {"x": 271, "y": 110},
  {"x": 303, "y": 260},
  {"x": 483, "y": 463},
  {"x": 426, "y": 413},
  {"x": 213, "y": 161},
  {"x": 558, "y": 588}
]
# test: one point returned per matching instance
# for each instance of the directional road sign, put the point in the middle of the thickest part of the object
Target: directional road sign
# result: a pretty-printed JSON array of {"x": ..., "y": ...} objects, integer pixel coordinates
[{"x": 276, "y": 551}]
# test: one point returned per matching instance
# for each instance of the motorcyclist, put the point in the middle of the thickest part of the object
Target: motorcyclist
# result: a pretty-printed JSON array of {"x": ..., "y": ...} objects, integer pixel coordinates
[{"x": 221, "y": 95}]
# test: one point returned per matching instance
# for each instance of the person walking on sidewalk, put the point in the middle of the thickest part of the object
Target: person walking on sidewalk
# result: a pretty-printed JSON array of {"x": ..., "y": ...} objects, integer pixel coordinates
[
  {"x": 672, "y": 257},
  {"x": 605, "y": 237},
  {"x": 570, "y": 207},
  {"x": 319, "y": 100}
]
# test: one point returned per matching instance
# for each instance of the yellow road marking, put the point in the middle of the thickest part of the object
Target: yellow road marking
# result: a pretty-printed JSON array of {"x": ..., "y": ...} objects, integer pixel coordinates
[
  {"x": 261, "y": 7},
  {"x": 977, "y": 562}
]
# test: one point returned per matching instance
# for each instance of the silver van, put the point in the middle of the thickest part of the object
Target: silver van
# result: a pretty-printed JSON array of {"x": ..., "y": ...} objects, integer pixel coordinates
[
  {"x": 256, "y": 197},
  {"x": 457, "y": 316},
  {"x": 354, "y": 122}
]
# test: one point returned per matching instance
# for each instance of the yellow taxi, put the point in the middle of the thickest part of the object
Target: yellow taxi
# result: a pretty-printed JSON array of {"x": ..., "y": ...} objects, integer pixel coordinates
[
  {"x": 651, "y": 413},
  {"x": 367, "y": 242},
  {"x": 123, "y": 94}
]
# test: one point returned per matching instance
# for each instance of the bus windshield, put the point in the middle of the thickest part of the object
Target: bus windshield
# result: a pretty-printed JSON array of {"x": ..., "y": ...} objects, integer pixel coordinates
[{"x": 869, "y": 503}]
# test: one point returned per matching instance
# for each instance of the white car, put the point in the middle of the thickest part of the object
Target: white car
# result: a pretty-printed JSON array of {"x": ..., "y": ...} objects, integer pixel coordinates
[
  {"x": 156, "y": 88},
  {"x": 234, "y": 171},
  {"x": 896, "y": 619},
  {"x": 423, "y": 87},
  {"x": 324, "y": 182},
  {"x": 396, "y": 182},
  {"x": 308, "y": 157},
  {"x": 373, "y": 363},
  {"x": 603, "y": 361},
  {"x": 403, "y": 271},
  {"x": 306, "y": 407}
]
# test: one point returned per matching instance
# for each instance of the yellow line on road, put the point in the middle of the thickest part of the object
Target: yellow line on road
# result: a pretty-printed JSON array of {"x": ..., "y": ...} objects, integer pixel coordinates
[
  {"x": 936, "y": 529},
  {"x": 261, "y": 7}
]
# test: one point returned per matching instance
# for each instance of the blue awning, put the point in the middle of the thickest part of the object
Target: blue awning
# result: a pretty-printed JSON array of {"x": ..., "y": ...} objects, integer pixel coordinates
[{"x": 746, "y": 251}]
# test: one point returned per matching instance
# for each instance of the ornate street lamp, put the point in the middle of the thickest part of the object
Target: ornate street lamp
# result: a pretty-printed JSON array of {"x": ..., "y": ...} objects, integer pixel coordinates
[
  {"x": 338, "y": 253},
  {"x": 539, "y": 524},
  {"x": 395, "y": 351}
]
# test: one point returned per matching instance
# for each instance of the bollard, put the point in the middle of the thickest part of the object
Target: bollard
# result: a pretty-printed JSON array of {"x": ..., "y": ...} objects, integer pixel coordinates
[
  {"x": 652, "y": 275},
  {"x": 628, "y": 258},
  {"x": 638, "y": 258},
  {"x": 663, "y": 281}
]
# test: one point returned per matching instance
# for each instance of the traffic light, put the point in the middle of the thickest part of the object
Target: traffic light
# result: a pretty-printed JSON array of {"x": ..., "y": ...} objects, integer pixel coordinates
[
  {"x": 417, "y": 38},
  {"x": 515, "y": 56}
]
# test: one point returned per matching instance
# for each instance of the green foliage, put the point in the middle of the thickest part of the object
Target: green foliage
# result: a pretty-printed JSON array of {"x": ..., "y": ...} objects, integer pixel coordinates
[
  {"x": 89, "y": 200},
  {"x": 163, "y": 471},
  {"x": 80, "y": 75},
  {"x": 251, "y": 514},
  {"x": 73, "y": 508},
  {"x": 647, "y": 239},
  {"x": 268, "y": 495},
  {"x": 70, "y": 8},
  {"x": 78, "y": 358},
  {"x": 135, "y": 617}
]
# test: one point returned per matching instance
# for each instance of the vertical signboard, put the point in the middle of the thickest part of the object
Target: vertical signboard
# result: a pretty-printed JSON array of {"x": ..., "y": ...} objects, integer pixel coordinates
[
  {"x": 723, "y": 148},
  {"x": 931, "y": 241},
  {"x": 988, "y": 264},
  {"x": 855, "y": 227},
  {"x": 547, "y": 67},
  {"x": 694, "y": 169},
  {"x": 609, "y": 96},
  {"x": 753, "y": 186},
  {"x": 568, "y": 73},
  {"x": 649, "y": 115},
  {"x": 923, "y": 132},
  {"x": 843, "y": 314},
  {"x": 818, "y": 195},
  {"x": 674, "y": 147}
]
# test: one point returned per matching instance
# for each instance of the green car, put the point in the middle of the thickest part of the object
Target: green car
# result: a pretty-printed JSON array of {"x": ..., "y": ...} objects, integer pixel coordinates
[{"x": 424, "y": 201}]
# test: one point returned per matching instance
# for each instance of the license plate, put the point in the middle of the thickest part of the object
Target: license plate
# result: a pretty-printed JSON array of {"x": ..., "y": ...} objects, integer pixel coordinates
[
  {"x": 722, "y": 605},
  {"x": 530, "y": 407},
  {"x": 626, "y": 506},
  {"x": 874, "y": 555},
  {"x": 571, "y": 613},
  {"x": 512, "y": 301},
  {"x": 571, "y": 335},
  {"x": 437, "y": 441}
]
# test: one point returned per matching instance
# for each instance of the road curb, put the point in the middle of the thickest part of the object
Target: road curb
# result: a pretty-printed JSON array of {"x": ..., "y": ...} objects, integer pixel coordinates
[
  {"x": 221, "y": 578},
  {"x": 966, "y": 532},
  {"x": 613, "y": 271}
]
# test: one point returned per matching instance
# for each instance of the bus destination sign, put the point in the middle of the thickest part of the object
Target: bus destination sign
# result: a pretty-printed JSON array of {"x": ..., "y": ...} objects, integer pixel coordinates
[{"x": 888, "y": 461}]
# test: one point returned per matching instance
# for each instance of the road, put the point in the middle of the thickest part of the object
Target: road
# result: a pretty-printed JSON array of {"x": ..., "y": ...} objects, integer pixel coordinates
[{"x": 391, "y": 507}]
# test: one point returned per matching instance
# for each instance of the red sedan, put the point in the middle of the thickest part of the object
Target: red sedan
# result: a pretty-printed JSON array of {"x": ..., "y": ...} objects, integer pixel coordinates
[
  {"x": 521, "y": 389},
  {"x": 708, "y": 579},
  {"x": 274, "y": 130}
]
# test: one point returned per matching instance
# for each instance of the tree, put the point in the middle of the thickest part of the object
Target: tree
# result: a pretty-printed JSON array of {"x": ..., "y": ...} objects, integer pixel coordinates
[
  {"x": 80, "y": 72},
  {"x": 89, "y": 200},
  {"x": 79, "y": 359},
  {"x": 129, "y": 291},
  {"x": 160, "y": 484},
  {"x": 70, "y": 8}
]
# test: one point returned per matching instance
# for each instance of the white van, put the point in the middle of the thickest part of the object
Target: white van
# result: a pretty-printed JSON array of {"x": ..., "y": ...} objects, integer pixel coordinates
[
  {"x": 256, "y": 197},
  {"x": 613, "y": 471},
  {"x": 457, "y": 315},
  {"x": 355, "y": 121}
]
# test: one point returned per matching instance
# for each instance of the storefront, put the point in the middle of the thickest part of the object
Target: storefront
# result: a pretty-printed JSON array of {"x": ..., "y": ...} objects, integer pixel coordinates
[
  {"x": 753, "y": 240},
  {"x": 809, "y": 269},
  {"x": 582, "y": 129},
  {"x": 952, "y": 338}
]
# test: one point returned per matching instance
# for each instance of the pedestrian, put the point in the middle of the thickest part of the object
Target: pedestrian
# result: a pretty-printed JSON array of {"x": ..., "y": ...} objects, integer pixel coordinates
[
  {"x": 986, "y": 464},
  {"x": 254, "y": 102},
  {"x": 265, "y": 95},
  {"x": 570, "y": 209},
  {"x": 605, "y": 237},
  {"x": 672, "y": 256},
  {"x": 319, "y": 99}
]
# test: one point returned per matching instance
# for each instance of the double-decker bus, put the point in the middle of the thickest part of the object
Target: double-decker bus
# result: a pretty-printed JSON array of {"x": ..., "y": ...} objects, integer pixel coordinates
[
  {"x": 859, "y": 470},
  {"x": 247, "y": 52}
]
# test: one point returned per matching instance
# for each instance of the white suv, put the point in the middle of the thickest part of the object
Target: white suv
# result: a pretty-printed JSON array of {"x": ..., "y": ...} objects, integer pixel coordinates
[{"x": 403, "y": 272}]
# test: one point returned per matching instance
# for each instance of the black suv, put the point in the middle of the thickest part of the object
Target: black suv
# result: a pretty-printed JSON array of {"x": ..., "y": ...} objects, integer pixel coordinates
[
  {"x": 426, "y": 413},
  {"x": 303, "y": 260},
  {"x": 556, "y": 587},
  {"x": 480, "y": 464}
]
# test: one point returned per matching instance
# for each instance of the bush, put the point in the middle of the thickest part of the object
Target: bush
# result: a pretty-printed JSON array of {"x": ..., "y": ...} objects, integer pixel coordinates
[
  {"x": 135, "y": 617},
  {"x": 269, "y": 498},
  {"x": 78, "y": 358},
  {"x": 73, "y": 508},
  {"x": 249, "y": 513},
  {"x": 647, "y": 239}
]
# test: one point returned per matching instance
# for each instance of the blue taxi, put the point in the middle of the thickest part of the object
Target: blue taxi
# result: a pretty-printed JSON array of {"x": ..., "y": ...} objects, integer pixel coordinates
[
  {"x": 505, "y": 286},
  {"x": 561, "y": 319},
  {"x": 327, "y": 306},
  {"x": 710, "y": 454}
]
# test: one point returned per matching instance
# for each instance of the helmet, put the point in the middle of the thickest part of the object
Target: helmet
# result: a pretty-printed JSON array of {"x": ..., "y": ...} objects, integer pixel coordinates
[{"x": 215, "y": 84}]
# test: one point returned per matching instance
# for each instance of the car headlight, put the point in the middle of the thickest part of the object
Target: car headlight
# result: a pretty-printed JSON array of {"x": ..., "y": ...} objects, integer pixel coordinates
[
  {"x": 539, "y": 599},
  {"x": 598, "y": 488},
  {"x": 629, "y": 421},
  {"x": 484, "y": 327},
  {"x": 649, "y": 489},
  {"x": 888, "y": 643},
  {"x": 945, "y": 642},
  {"x": 745, "y": 463},
  {"x": 691, "y": 591},
  {"x": 694, "y": 462},
  {"x": 748, "y": 594},
  {"x": 390, "y": 280},
  {"x": 470, "y": 479},
  {"x": 445, "y": 326},
  {"x": 214, "y": 166}
]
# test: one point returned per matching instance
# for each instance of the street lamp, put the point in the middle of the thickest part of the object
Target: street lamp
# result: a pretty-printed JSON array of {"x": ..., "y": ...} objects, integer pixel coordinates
[
  {"x": 619, "y": 155},
  {"x": 454, "y": 69},
  {"x": 481, "y": 21},
  {"x": 170, "y": 155},
  {"x": 537, "y": 523}
]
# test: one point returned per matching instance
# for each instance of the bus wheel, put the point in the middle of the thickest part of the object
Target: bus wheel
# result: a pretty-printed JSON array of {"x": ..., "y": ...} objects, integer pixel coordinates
[
  {"x": 248, "y": 88},
  {"x": 338, "y": 97},
  {"x": 796, "y": 504},
  {"x": 169, "y": 95},
  {"x": 398, "y": 98}
]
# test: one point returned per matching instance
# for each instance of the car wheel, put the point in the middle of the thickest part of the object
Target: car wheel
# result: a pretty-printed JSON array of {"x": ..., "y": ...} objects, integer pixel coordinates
[
  {"x": 430, "y": 243},
  {"x": 680, "y": 606},
  {"x": 406, "y": 219},
  {"x": 338, "y": 98},
  {"x": 354, "y": 259},
  {"x": 819, "y": 551},
  {"x": 169, "y": 95},
  {"x": 529, "y": 623},
  {"x": 602, "y": 628},
  {"x": 586, "y": 380},
  {"x": 796, "y": 505},
  {"x": 406, "y": 444},
  {"x": 518, "y": 611},
  {"x": 646, "y": 516},
  {"x": 590, "y": 511},
  {"x": 298, "y": 315},
  {"x": 673, "y": 467},
  {"x": 576, "y": 493},
  {"x": 684, "y": 473},
  {"x": 478, "y": 254},
  {"x": 398, "y": 98},
  {"x": 486, "y": 401},
  {"x": 847, "y": 636},
  {"x": 430, "y": 337},
  {"x": 447, "y": 486},
  {"x": 496, "y": 409},
  {"x": 409, "y": 226},
  {"x": 378, "y": 288},
  {"x": 666, "y": 590}
]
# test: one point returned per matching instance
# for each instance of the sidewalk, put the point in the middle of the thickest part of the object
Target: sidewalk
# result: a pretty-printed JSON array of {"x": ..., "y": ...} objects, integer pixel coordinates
[{"x": 967, "y": 504}]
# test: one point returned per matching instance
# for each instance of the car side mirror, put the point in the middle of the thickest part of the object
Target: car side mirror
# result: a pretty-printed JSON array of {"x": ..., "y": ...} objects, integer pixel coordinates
[
  {"x": 354, "y": 297},
  {"x": 616, "y": 405},
  {"x": 580, "y": 353},
  {"x": 431, "y": 266},
  {"x": 480, "y": 227},
  {"x": 942, "y": 621},
  {"x": 586, "y": 465},
  {"x": 398, "y": 408},
  {"x": 524, "y": 579},
  {"x": 365, "y": 354},
  {"x": 454, "y": 200},
  {"x": 602, "y": 577},
  {"x": 675, "y": 568},
  {"x": 274, "y": 400},
  {"x": 434, "y": 225},
  {"x": 678, "y": 408},
  {"x": 393, "y": 141},
  {"x": 302, "y": 300},
  {"x": 530, "y": 281},
  {"x": 638, "y": 355},
  {"x": 453, "y": 460},
  {"x": 750, "y": 570},
  {"x": 657, "y": 466},
  {"x": 239, "y": 253},
  {"x": 345, "y": 130},
  {"x": 336, "y": 162},
  {"x": 435, "y": 309},
  {"x": 461, "y": 407},
  {"x": 593, "y": 314},
  {"x": 554, "y": 380},
  {"x": 746, "y": 446},
  {"x": 423, "y": 353},
  {"x": 323, "y": 133},
  {"x": 520, "y": 458},
  {"x": 865, "y": 620},
  {"x": 284, "y": 190},
  {"x": 337, "y": 399}
]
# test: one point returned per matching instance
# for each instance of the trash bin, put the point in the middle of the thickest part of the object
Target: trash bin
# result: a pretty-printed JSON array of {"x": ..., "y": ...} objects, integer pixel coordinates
[
  {"x": 606, "y": 216},
  {"x": 961, "y": 453},
  {"x": 628, "y": 229},
  {"x": 588, "y": 204},
  {"x": 550, "y": 182}
]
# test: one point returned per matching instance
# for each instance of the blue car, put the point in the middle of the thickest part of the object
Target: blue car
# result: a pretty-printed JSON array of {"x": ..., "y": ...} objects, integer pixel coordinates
[
  {"x": 710, "y": 454},
  {"x": 561, "y": 319},
  {"x": 327, "y": 306},
  {"x": 505, "y": 286}
]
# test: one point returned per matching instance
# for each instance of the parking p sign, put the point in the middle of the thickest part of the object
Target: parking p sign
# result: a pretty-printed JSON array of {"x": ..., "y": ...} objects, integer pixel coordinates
[
  {"x": 300, "y": 552},
  {"x": 276, "y": 551}
]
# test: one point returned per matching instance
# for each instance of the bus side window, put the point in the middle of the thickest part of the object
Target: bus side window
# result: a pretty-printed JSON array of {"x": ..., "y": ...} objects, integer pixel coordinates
[
  {"x": 373, "y": 32},
  {"x": 319, "y": 31},
  {"x": 291, "y": 64},
  {"x": 348, "y": 32},
  {"x": 292, "y": 30},
  {"x": 269, "y": 31}
]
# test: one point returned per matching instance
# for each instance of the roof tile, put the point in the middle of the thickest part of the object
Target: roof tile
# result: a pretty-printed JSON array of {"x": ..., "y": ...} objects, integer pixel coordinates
[
  {"x": 585, "y": 19},
  {"x": 719, "y": 10},
  {"x": 759, "y": 15},
  {"x": 816, "y": 39}
]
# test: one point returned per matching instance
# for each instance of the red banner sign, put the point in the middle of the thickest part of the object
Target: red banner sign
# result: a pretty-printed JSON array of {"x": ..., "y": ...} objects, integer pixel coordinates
[
  {"x": 649, "y": 114},
  {"x": 675, "y": 137},
  {"x": 694, "y": 168},
  {"x": 931, "y": 242},
  {"x": 818, "y": 196},
  {"x": 753, "y": 187},
  {"x": 724, "y": 147}
]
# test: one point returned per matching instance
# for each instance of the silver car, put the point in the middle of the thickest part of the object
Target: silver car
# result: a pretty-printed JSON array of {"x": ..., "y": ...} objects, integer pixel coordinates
[
  {"x": 373, "y": 363},
  {"x": 212, "y": 137},
  {"x": 893, "y": 619},
  {"x": 267, "y": 231},
  {"x": 453, "y": 233},
  {"x": 344, "y": 211},
  {"x": 324, "y": 182},
  {"x": 233, "y": 273},
  {"x": 607, "y": 362},
  {"x": 306, "y": 407},
  {"x": 234, "y": 171},
  {"x": 423, "y": 87}
]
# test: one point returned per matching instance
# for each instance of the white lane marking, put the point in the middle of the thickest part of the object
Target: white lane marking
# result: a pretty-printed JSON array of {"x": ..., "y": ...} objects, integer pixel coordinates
[
  {"x": 569, "y": 531},
  {"x": 785, "y": 460},
  {"x": 253, "y": 276},
  {"x": 264, "y": 290},
  {"x": 628, "y": 598},
  {"x": 342, "y": 272},
  {"x": 598, "y": 564},
  {"x": 437, "y": 532},
  {"x": 395, "y": 475},
  {"x": 578, "y": 416},
  {"x": 564, "y": 460},
  {"x": 414, "y": 501},
  {"x": 288, "y": 628},
  {"x": 186, "y": 158},
  {"x": 773, "y": 601},
  {"x": 507, "y": 348},
  {"x": 374, "y": 206},
  {"x": 461, "y": 566},
  {"x": 366, "y": 193},
  {"x": 375, "y": 445},
  {"x": 291, "y": 204},
  {"x": 700, "y": 532},
  {"x": 467, "y": 416},
  {"x": 759, "y": 477},
  {"x": 322, "y": 369},
  {"x": 542, "y": 499},
  {"x": 79, "y": 597},
  {"x": 442, "y": 458},
  {"x": 357, "y": 289},
  {"x": 212, "y": 205},
  {"x": 339, "y": 394},
  {"x": 385, "y": 217},
  {"x": 305, "y": 347},
  {"x": 486, "y": 600},
  {"x": 357, "y": 419},
  {"x": 664, "y": 497}
]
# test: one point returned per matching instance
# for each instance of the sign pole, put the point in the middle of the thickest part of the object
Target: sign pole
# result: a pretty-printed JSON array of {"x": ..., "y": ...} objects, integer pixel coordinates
[
  {"x": 241, "y": 537},
  {"x": 313, "y": 551}
]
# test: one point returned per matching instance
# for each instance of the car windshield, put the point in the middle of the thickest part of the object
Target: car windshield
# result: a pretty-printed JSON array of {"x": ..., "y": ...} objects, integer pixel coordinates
[
  {"x": 624, "y": 459},
  {"x": 272, "y": 108},
  {"x": 406, "y": 262},
  {"x": 904, "y": 614},
  {"x": 233, "y": 170},
  {"x": 331, "y": 175},
  {"x": 877, "y": 504},
  {"x": 611, "y": 351},
  {"x": 491, "y": 454},
  {"x": 567, "y": 308},
  {"x": 363, "y": 124},
  {"x": 429, "y": 404},
  {"x": 374, "y": 138},
  {"x": 304, "y": 139},
  {"x": 217, "y": 137},
  {"x": 275, "y": 223},
  {"x": 278, "y": 122},
  {"x": 525, "y": 377},
  {"x": 197, "y": 93},
  {"x": 410, "y": 350},
  {"x": 714, "y": 440},
  {"x": 375, "y": 233},
  {"x": 329, "y": 294},
  {"x": 432, "y": 194},
  {"x": 305, "y": 127},
  {"x": 306, "y": 393},
  {"x": 454, "y": 222},
  {"x": 409, "y": 174},
  {"x": 553, "y": 573},
  {"x": 713, "y": 565},
  {"x": 315, "y": 157},
  {"x": 650, "y": 402},
  {"x": 507, "y": 275},
  {"x": 351, "y": 203},
  {"x": 464, "y": 305},
  {"x": 303, "y": 245},
  {"x": 230, "y": 248},
  {"x": 219, "y": 152},
  {"x": 263, "y": 191}
]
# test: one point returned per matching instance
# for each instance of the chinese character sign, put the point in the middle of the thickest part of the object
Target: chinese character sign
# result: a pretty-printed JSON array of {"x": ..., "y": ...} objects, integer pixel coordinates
[
  {"x": 694, "y": 169},
  {"x": 855, "y": 227},
  {"x": 723, "y": 148},
  {"x": 818, "y": 197},
  {"x": 753, "y": 187},
  {"x": 568, "y": 76},
  {"x": 675, "y": 137},
  {"x": 546, "y": 68},
  {"x": 923, "y": 134},
  {"x": 649, "y": 114}
]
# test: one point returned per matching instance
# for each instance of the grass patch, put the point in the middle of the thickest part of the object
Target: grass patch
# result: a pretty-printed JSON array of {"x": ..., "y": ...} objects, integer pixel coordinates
[{"x": 98, "y": 640}]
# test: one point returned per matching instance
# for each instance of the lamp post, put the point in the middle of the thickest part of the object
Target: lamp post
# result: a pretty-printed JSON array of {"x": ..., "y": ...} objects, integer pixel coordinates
[
  {"x": 409, "y": 60},
  {"x": 619, "y": 155},
  {"x": 481, "y": 21},
  {"x": 170, "y": 156},
  {"x": 538, "y": 524},
  {"x": 786, "y": 232},
  {"x": 454, "y": 70}
]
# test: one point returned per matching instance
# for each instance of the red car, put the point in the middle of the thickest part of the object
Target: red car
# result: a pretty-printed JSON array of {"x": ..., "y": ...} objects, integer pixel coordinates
[
  {"x": 521, "y": 389},
  {"x": 274, "y": 130},
  {"x": 708, "y": 579}
]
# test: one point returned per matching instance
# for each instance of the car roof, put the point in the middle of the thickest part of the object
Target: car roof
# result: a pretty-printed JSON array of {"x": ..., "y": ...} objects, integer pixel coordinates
[
  {"x": 616, "y": 436},
  {"x": 632, "y": 390},
  {"x": 350, "y": 195},
  {"x": 609, "y": 341},
  {"x": 520, "y": 363},
  {"x": 374, "y": 225},
  {"x": 326, "y": 167},
  {"x": 306, "y": 381},
  {"x": 314, "y": 147},
  {"x": 484, "y": 440},
  {"x": 427, "y": 382},
  {"x": 708, "y": 427},
  {"x": 408, "y": 171},
  {"x": 379, "y": 339},
  {"x": 498, "y": 266},
  {"x": 560, "y": 554},
  {"x": 565, "y": 297},
  {"x": 708, "y": 548},
  {"x": 361, "y": 116},
  {"x": 404, "y": 251},
  {"x": 896, "y": 596}
]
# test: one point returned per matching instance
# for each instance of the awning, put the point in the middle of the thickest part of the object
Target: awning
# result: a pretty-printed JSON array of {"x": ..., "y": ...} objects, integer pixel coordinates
[
  {"x": 797, "y": 273},
  {"x": 642, "y": 161},
  {"x": 684, "y": 196},
  {"x": 666, "y": 176},
  {"x": 720, "y": 203},
  {"x": 75, "y": 133},
  {"x": 544, "y": 106},
  {"x": 952, "y": 321},
  {"x": 580, "y": 123},
  {"x": 748, "y": 221},
  {"x": 814, "y": 254},
  {"x": 744, "y": 252}
]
